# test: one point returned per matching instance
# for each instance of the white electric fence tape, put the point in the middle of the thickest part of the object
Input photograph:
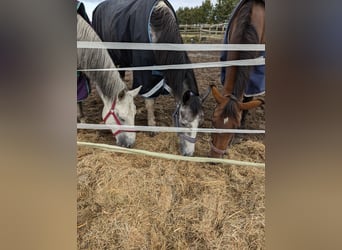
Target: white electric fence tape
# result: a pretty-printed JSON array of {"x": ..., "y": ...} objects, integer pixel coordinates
[
  {"x": 170, "y": 46},
  {"x": 178, "y": 47},
  {"x": 169, "y": 156},
  {"x": 165, "y": 129},
  {"x": 249, "y": 62}
]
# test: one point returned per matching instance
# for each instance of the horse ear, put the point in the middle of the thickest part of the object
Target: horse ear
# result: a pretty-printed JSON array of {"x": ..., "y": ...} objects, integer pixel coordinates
[
  {"x": 135, "y": 92},
  {"x": 121, "y": 94},
  {"x": 205, "y": 95},
  {"x": 251, "y": 104},
  {"x": 217, "y": 95}
]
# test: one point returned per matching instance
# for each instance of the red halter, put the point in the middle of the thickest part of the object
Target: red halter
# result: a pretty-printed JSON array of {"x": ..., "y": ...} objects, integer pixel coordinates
[{"x": 116, "y": 118}]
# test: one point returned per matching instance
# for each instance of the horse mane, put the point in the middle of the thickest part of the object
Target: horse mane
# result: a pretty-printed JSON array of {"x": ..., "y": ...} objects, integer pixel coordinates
[
  {"x": 244, "y": 33},
  {"x": 109, "y": 82},
  {"x": 165, "y": 28}
]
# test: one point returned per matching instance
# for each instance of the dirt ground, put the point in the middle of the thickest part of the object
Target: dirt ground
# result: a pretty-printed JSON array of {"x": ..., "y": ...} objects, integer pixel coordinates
[{"x": 139, "y": 202}]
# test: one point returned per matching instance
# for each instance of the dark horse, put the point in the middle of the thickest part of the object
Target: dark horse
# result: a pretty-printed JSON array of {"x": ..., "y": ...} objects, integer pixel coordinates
[
  {"x": 246, "y": 26},
  {"x": 153, "y": 21}
]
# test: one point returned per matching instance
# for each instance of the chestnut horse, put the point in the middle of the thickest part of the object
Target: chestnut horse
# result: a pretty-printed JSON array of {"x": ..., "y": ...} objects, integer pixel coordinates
[{"x": 247, "y": 26}]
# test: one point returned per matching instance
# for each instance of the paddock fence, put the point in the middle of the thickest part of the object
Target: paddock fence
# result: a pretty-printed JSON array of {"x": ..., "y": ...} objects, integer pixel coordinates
[
  {"x": 212, "y": 31},
  {"x": 202, "y": 32}
]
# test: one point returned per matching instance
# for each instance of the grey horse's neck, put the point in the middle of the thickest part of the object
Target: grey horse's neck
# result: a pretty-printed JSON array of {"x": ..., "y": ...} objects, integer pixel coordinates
[{"x": 109, "y": 81}]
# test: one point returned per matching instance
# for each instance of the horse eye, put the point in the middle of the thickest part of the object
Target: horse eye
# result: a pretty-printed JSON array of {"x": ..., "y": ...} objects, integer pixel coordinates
[{"x": 183, "y": 124}]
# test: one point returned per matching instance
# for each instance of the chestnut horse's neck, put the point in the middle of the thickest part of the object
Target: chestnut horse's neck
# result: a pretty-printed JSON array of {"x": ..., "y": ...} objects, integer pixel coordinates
[{"x": 247, "y": 27}]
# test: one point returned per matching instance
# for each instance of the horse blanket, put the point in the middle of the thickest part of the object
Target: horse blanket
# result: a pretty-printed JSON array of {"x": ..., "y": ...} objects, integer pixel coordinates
[
  {"x": 256, "y": 84},
  {"x": 129, "y": 21},
  {"x": 83, "y": 85}
]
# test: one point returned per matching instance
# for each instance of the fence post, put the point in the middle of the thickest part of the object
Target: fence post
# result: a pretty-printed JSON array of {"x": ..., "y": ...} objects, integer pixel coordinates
[{"x": 200, "y": 35}]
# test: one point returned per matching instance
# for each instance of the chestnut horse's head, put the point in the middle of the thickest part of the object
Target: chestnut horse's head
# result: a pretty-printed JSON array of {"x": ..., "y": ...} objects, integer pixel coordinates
[{"x": 227, "y": 115}]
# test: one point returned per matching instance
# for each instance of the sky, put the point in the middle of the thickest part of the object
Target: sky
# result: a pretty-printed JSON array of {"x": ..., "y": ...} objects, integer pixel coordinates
[{"x": 91, "y": 4}]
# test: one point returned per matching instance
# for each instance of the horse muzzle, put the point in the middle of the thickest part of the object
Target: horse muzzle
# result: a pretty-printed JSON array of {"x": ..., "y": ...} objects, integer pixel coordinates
[
  {"x": 187, "y": 148},
  {"x": 124, "y": 140}
]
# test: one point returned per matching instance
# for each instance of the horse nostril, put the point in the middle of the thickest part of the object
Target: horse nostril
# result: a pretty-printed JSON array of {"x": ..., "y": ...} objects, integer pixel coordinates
[
  {"x": 213, "y": 163},
  {"x": 187, "y": 154},
  {"x": 122, "y": 144}
]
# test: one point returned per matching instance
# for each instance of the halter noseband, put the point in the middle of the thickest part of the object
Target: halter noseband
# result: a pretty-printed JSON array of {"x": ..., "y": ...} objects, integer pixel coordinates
[
  {"x": 175, "y": 116},
  {"x": 116, "y": 118},
  {"x": 217, "y": 150}
]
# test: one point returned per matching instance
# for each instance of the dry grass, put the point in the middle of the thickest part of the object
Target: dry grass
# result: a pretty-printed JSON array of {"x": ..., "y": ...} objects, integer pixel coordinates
[{"x": 134, "y": 202}]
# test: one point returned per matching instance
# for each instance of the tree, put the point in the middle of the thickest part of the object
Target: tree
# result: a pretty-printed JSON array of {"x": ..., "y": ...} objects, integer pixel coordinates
[
  {"x": 223, "y": 9},
  {"x": 207, "y": 13}
]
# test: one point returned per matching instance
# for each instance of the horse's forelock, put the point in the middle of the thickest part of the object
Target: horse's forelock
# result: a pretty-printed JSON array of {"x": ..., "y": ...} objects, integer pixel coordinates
[
  {"x": 230, "y": 110},
  {"x": 195, "y": 104}
]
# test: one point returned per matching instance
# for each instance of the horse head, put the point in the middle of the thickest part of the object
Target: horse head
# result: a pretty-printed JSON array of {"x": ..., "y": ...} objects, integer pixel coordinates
[
  {"x": 189, "y": 114},
  {"x": 227, "y": 115},
  {"x": 122, "y": 111}
]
